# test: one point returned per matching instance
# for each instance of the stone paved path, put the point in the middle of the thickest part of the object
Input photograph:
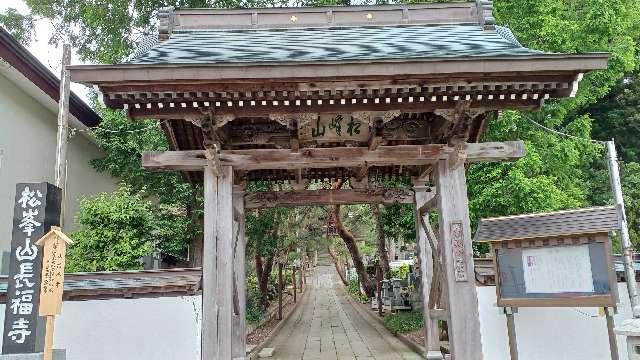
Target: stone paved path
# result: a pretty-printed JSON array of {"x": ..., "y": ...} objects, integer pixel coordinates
[{"x": 326, "y": 326}]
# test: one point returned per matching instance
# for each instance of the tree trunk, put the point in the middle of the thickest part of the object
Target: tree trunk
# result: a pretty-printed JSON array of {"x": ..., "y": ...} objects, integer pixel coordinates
[
  {"x": 263, "y": 271},
  {"x": 382, "y": 247},
  {"x": 350, "y": 242},
  {"x": 196, "y": 246},
  {"x": 339, "y": 268}
]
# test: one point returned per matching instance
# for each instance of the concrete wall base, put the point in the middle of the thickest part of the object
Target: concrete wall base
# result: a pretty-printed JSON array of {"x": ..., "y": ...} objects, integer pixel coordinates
[{"x": 58, "y": 354}]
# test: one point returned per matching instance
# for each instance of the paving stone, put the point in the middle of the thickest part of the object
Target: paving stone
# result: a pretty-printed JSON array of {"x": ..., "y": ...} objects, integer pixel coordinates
[
  {"x": 266, "y": 353},
  {"x": 326, "y": 326}
]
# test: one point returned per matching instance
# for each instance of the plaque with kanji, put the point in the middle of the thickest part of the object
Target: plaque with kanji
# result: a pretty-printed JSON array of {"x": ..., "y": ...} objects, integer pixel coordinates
[{"x": 55, "y": 248}]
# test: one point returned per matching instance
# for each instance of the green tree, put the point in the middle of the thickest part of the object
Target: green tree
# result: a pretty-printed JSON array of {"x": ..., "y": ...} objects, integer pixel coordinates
[
  {"x": 617, "y": 116},
  {"x": 116, "y": 232},
  {"x": 177, "y": 204},
  {"x": 106, "y": 31}
]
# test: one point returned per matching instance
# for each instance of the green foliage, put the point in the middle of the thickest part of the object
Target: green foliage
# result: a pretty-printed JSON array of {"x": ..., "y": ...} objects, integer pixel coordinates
[
  {"x": 114, "y": 233},
  {"x": 578, "y": 26},
  {"x": 106, "y": 31},
  {"x": 404, "y": 322},
  {"x": 255, "y": 313},
  {"x": 177, "y": 203},
  {"x": 354, "y": 286},
  {"x": 400, "y": 272},
  {"x": 618, "y": 116},
  {"x": 21, "y": 27}
]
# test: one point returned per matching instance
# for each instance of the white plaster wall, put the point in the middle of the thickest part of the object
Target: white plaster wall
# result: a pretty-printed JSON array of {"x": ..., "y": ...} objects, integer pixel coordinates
[
  {"x": 549, "y": 333},
  {"x": 28, "y": 143},
  {"x": 140, "y": 329},
  {"x": 169, "y": 328}
]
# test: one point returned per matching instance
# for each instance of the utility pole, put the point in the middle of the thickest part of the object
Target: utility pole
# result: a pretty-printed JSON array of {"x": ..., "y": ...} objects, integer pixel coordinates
[
  {"x": 63, "y": 127},
  {"x": 627, "y": 247}
]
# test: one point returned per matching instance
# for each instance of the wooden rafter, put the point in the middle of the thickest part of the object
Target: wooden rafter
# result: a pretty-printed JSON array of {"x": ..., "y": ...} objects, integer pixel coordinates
[
  {"x": 355, "y": 104},
  {"x": 404, "y": 155}
]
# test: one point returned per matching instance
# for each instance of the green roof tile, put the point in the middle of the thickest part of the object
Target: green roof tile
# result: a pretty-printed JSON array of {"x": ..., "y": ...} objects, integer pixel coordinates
[{"x": 360, "y": 43}]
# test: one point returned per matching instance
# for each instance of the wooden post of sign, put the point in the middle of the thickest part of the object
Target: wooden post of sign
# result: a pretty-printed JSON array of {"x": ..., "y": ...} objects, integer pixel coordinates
[
  {"x": 613, "y": 344},
  {"x": 54, "y": 245},
  {"x": 280, "y": 289},
  {"x": 511, "y": 332},
  {"x": 457, "y": 256},
  {"x": 217, "y": 264}
]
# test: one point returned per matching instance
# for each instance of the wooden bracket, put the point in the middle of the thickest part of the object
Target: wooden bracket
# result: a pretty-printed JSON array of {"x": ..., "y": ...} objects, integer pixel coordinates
[
  {"x": 457, "y": 157},
  {"x": 300, "y": 183},
  {"x": 293, "y": 135},
  {"x": 363, "y": 183},
  {"x": 375, "y": 137},
  {"x": 214, "y": 161},
  {"x": 460, "y": 118},
  {"x": 432, "y": 203}
]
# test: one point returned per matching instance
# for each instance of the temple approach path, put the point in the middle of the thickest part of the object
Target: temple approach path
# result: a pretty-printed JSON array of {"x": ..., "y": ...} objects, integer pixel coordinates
[{"x": 326, "y": 326}]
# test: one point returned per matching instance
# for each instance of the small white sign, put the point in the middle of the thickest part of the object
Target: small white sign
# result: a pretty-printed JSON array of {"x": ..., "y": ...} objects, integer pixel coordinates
[{"x": 561, "y": 269}]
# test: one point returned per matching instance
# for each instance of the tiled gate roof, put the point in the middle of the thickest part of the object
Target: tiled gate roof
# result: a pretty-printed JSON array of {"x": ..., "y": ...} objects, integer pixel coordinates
[{"x": 356, "y": 43}]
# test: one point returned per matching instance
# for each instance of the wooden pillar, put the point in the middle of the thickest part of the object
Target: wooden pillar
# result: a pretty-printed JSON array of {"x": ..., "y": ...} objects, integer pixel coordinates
[
  {"x": 293, "y": 280},
  {"x": 379, "y": 289},
  {"x": 240, "y": 283},
  {"x": 280, "y": 289},
  {"x": 458, "y": 268},
  {"x": 217, "y": 265},
  {"x": 301, "y": 276},
  {"x": 432, "y": 333}
]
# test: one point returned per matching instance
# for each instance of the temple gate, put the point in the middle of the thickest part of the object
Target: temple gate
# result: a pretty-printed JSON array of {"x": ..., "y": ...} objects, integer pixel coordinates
[{"x": 355, "y": 93}]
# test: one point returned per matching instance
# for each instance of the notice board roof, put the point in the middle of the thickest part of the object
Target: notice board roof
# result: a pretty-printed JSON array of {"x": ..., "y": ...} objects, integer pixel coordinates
[{"x": 561, "y": 223}]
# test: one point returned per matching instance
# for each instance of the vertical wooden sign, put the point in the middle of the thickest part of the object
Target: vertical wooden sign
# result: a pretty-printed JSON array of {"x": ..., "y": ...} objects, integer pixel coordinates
[
  {"x": 54, "y": 244},
  {"x": 36, "y": 209}
]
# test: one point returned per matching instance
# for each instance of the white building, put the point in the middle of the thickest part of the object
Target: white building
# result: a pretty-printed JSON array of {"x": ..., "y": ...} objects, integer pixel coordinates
[{"x": 29, "y": 94}]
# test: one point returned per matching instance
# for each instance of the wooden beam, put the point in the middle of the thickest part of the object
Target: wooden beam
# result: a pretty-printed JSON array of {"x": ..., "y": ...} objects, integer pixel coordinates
[
  {"x": 429, "y": 204},
  {"x": 424, "y": 195},
  {"x": 259, "y": 159},
  {"x": 268, "y": 199}
]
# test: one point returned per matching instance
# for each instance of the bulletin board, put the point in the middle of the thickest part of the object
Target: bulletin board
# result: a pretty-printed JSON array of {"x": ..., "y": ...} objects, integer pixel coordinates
[{"x": 561, "y": 275}]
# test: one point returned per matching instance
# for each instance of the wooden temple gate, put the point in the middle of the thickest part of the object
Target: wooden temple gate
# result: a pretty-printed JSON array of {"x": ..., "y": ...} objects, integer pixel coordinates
[{"x": 354, "y": 93}]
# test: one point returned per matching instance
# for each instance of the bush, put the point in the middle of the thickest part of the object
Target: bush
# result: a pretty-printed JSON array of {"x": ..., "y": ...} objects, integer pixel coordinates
[
  {"x": 404, "y": 322},
  {"x": 400, "y": 272},
  {"x": 254, "y": 310},
  {"x": 115, "y": 233}
]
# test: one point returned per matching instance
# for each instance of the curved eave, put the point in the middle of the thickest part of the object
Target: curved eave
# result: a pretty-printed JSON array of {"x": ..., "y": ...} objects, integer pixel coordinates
[{"x": 301, "y": 71}]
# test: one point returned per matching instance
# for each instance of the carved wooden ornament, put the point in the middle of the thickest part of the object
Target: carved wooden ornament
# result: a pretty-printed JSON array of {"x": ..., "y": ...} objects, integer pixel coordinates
[{"x": 457, "y": 246}]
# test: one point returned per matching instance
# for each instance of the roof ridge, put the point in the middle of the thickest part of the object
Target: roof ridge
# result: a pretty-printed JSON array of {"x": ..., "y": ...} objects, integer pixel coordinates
[{"x": 548, "y": 213}]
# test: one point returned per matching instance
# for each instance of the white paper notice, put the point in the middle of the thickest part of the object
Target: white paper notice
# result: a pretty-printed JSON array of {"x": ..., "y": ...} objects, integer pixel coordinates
[{"x": 561, "y": 269}]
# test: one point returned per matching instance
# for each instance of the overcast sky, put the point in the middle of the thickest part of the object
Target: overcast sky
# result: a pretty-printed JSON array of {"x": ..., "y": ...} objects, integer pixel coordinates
[{"x": 50, "y": 56}]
